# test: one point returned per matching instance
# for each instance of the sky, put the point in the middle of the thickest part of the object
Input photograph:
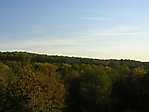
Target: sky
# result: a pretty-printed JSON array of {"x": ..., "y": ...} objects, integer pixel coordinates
[{"x": 104, "y": 29}]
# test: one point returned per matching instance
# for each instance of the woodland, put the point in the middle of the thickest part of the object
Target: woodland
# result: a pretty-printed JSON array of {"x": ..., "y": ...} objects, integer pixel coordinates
[{"x": 32, "y": 82}]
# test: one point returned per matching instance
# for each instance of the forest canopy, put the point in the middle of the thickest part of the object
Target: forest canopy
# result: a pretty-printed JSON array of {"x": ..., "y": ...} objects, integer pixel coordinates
[{"x": 32, "y": 82}]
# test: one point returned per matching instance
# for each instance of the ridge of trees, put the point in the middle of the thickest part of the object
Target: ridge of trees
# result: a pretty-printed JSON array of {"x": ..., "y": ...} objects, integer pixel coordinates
[{"x": 33, "y": 57}]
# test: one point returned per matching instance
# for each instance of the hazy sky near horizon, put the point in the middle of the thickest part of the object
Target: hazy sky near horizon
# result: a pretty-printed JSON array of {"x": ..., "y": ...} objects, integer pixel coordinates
[{"x": 89, "y": 28}]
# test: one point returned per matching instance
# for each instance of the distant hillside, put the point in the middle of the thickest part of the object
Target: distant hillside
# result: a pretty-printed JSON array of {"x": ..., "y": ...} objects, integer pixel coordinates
[{"x": 33, "y": 57}]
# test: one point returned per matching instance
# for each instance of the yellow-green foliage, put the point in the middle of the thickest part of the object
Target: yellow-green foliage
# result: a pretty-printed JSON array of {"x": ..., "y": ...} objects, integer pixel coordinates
[
  {"x": 45, "y": 95},
  {"x": 5, "y": 74},
  {"x": 139, "y": 71}
]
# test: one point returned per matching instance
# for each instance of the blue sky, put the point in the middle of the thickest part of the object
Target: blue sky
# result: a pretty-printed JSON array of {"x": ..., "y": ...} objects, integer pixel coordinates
[{"x": 86, "y": 28}]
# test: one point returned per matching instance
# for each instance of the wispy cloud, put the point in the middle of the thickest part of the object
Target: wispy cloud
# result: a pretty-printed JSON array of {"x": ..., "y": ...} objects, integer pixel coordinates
[
  {"x": 117, "y": 31},
  {"x": 94, "y": 18}
]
